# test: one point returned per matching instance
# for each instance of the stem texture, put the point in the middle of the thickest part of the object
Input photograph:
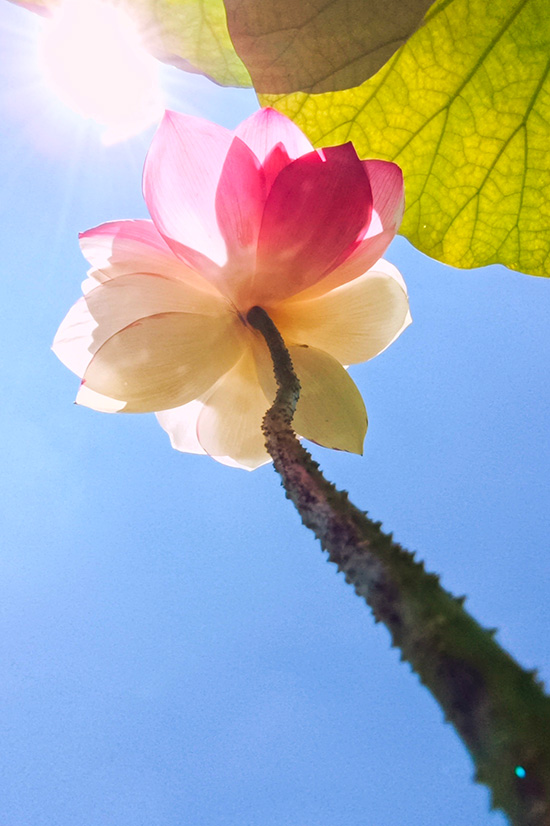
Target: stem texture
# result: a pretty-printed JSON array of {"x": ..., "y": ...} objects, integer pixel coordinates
[{"x": 499, "y": 710}]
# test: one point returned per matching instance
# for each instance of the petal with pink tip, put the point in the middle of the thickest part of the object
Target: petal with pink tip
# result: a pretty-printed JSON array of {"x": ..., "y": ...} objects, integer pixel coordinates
[
  {"x": 386, "y": 181},
  {"x": 230, "y": 423},
  {"x": 180, "y": 178},
  {"x": 124, "y": 247},
  {"x": 165, "y": 360},
  {"x": 354, "y": 322},
  {"x": 116, "y": 304},
  {"x": 266, "y": 128},
  {"x": 313, "y": 214},
  {"x": 240, "y": 199}
]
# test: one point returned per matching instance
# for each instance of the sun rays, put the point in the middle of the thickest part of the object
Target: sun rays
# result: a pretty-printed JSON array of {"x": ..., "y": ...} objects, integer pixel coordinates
[{"x": 92, "y": 58}]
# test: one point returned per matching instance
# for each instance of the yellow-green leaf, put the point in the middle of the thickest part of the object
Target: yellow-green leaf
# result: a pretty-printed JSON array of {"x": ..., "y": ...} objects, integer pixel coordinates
[
  {"x": 193, "y": 35},
  {"x": 319, "y": 46},
  {"x": 190, "y": 34},
  {"x": 464, "y": 108}
]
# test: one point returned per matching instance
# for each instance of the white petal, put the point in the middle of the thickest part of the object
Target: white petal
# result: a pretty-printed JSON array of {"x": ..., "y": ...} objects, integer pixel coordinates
[
  {"x": 330, "y": 410},
  {"x": 74, "y": 338},
  {"x": 354, "y": 322},
  {"x": 165, "y": 360},
  {"x": 96, "y": 401},
  {"x": 181, "y": 425},
  {"x": 117, "y": 303},
  {"x": 229, "y": 425}
]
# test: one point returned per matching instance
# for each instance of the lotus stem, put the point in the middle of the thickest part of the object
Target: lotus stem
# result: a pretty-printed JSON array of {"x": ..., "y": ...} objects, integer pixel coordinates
[{"x": 499, "y": 710}]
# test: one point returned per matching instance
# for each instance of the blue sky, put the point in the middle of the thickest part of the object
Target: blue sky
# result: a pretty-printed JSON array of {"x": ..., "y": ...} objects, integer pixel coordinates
[{"x": 174, "y": 647}]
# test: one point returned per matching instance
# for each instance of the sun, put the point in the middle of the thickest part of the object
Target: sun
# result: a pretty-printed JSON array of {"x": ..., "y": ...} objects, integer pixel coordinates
[{"x": 93, "y": 59}]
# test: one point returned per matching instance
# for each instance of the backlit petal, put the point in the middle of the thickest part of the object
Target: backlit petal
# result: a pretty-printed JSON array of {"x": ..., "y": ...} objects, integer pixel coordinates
[
  {"x": 181, "y": 425},
  {"x": 386, "y": 180},
  {"x": 96, "y": 401},
  {"x": 74, "y": 338},
  {"x": 125, "y": 247},
  {"x": 266, "y": 128},
  {"x": 330, "y": 409},
  {"x": 180, "y": 178},
  {"x": 240, "y": 197},
  {"x": 165, "y": 360},
  {"x": 274, "y": 163},
  {"x": 230, "y": 423},
  {"x": 116, "y": 304},
  {"x": 240, "y": 200},
  {"x": 313, "y": 214},
  {"x": 243, "y": 218},
  {"x": 388, "y": 195},
  {"x": 354, "y": 322}
]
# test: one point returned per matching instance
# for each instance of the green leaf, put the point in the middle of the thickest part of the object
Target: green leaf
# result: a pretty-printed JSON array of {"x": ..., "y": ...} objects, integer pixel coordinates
[
  {"x": 464, "y": 108},
  {"x": 190, "y": 34},
  {"x": 319, "y": 46}
]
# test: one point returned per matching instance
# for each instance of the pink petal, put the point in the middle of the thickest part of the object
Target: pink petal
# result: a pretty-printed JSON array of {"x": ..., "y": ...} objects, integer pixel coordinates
[
  {"x": 365, "y": 256},
  {"x": 314, "y": 212},
  {"x": 240, "y": 199},
  {"x": 386, "y": 180},
  {"x": 274, "y": 163},
  {"x": 388, "y": 195},
  {"x": 180, "y": 178},
  {"x": 124, "y": 247},
  {"x": 266, "y": 128}
]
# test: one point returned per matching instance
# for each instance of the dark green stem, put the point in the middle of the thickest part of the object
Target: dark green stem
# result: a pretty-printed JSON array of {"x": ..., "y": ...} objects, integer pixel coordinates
[{"x": 499, "y": 710}]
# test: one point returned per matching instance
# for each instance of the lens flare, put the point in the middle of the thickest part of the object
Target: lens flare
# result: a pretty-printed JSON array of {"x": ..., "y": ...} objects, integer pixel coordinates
[{"x": 93, "y": 59}]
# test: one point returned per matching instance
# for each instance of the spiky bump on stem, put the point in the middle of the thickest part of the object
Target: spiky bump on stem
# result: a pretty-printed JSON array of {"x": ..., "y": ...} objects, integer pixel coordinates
[{"x": 499, "y": 710}]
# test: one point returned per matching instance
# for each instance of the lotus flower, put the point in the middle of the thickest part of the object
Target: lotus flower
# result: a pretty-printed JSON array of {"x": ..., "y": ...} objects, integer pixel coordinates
[{"x": 254, "y": 217}]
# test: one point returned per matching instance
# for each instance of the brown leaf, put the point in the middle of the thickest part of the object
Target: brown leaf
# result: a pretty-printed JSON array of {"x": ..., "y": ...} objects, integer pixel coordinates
[{"x": 319, "y": 45}]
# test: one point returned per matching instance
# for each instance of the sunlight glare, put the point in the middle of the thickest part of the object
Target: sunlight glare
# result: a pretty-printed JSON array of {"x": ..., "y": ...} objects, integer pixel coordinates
[{"x": 93, "y": 59}]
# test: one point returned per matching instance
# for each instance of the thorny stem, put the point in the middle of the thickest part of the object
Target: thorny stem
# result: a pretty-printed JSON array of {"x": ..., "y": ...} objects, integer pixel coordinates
[{"x": 498, "y": 709}]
